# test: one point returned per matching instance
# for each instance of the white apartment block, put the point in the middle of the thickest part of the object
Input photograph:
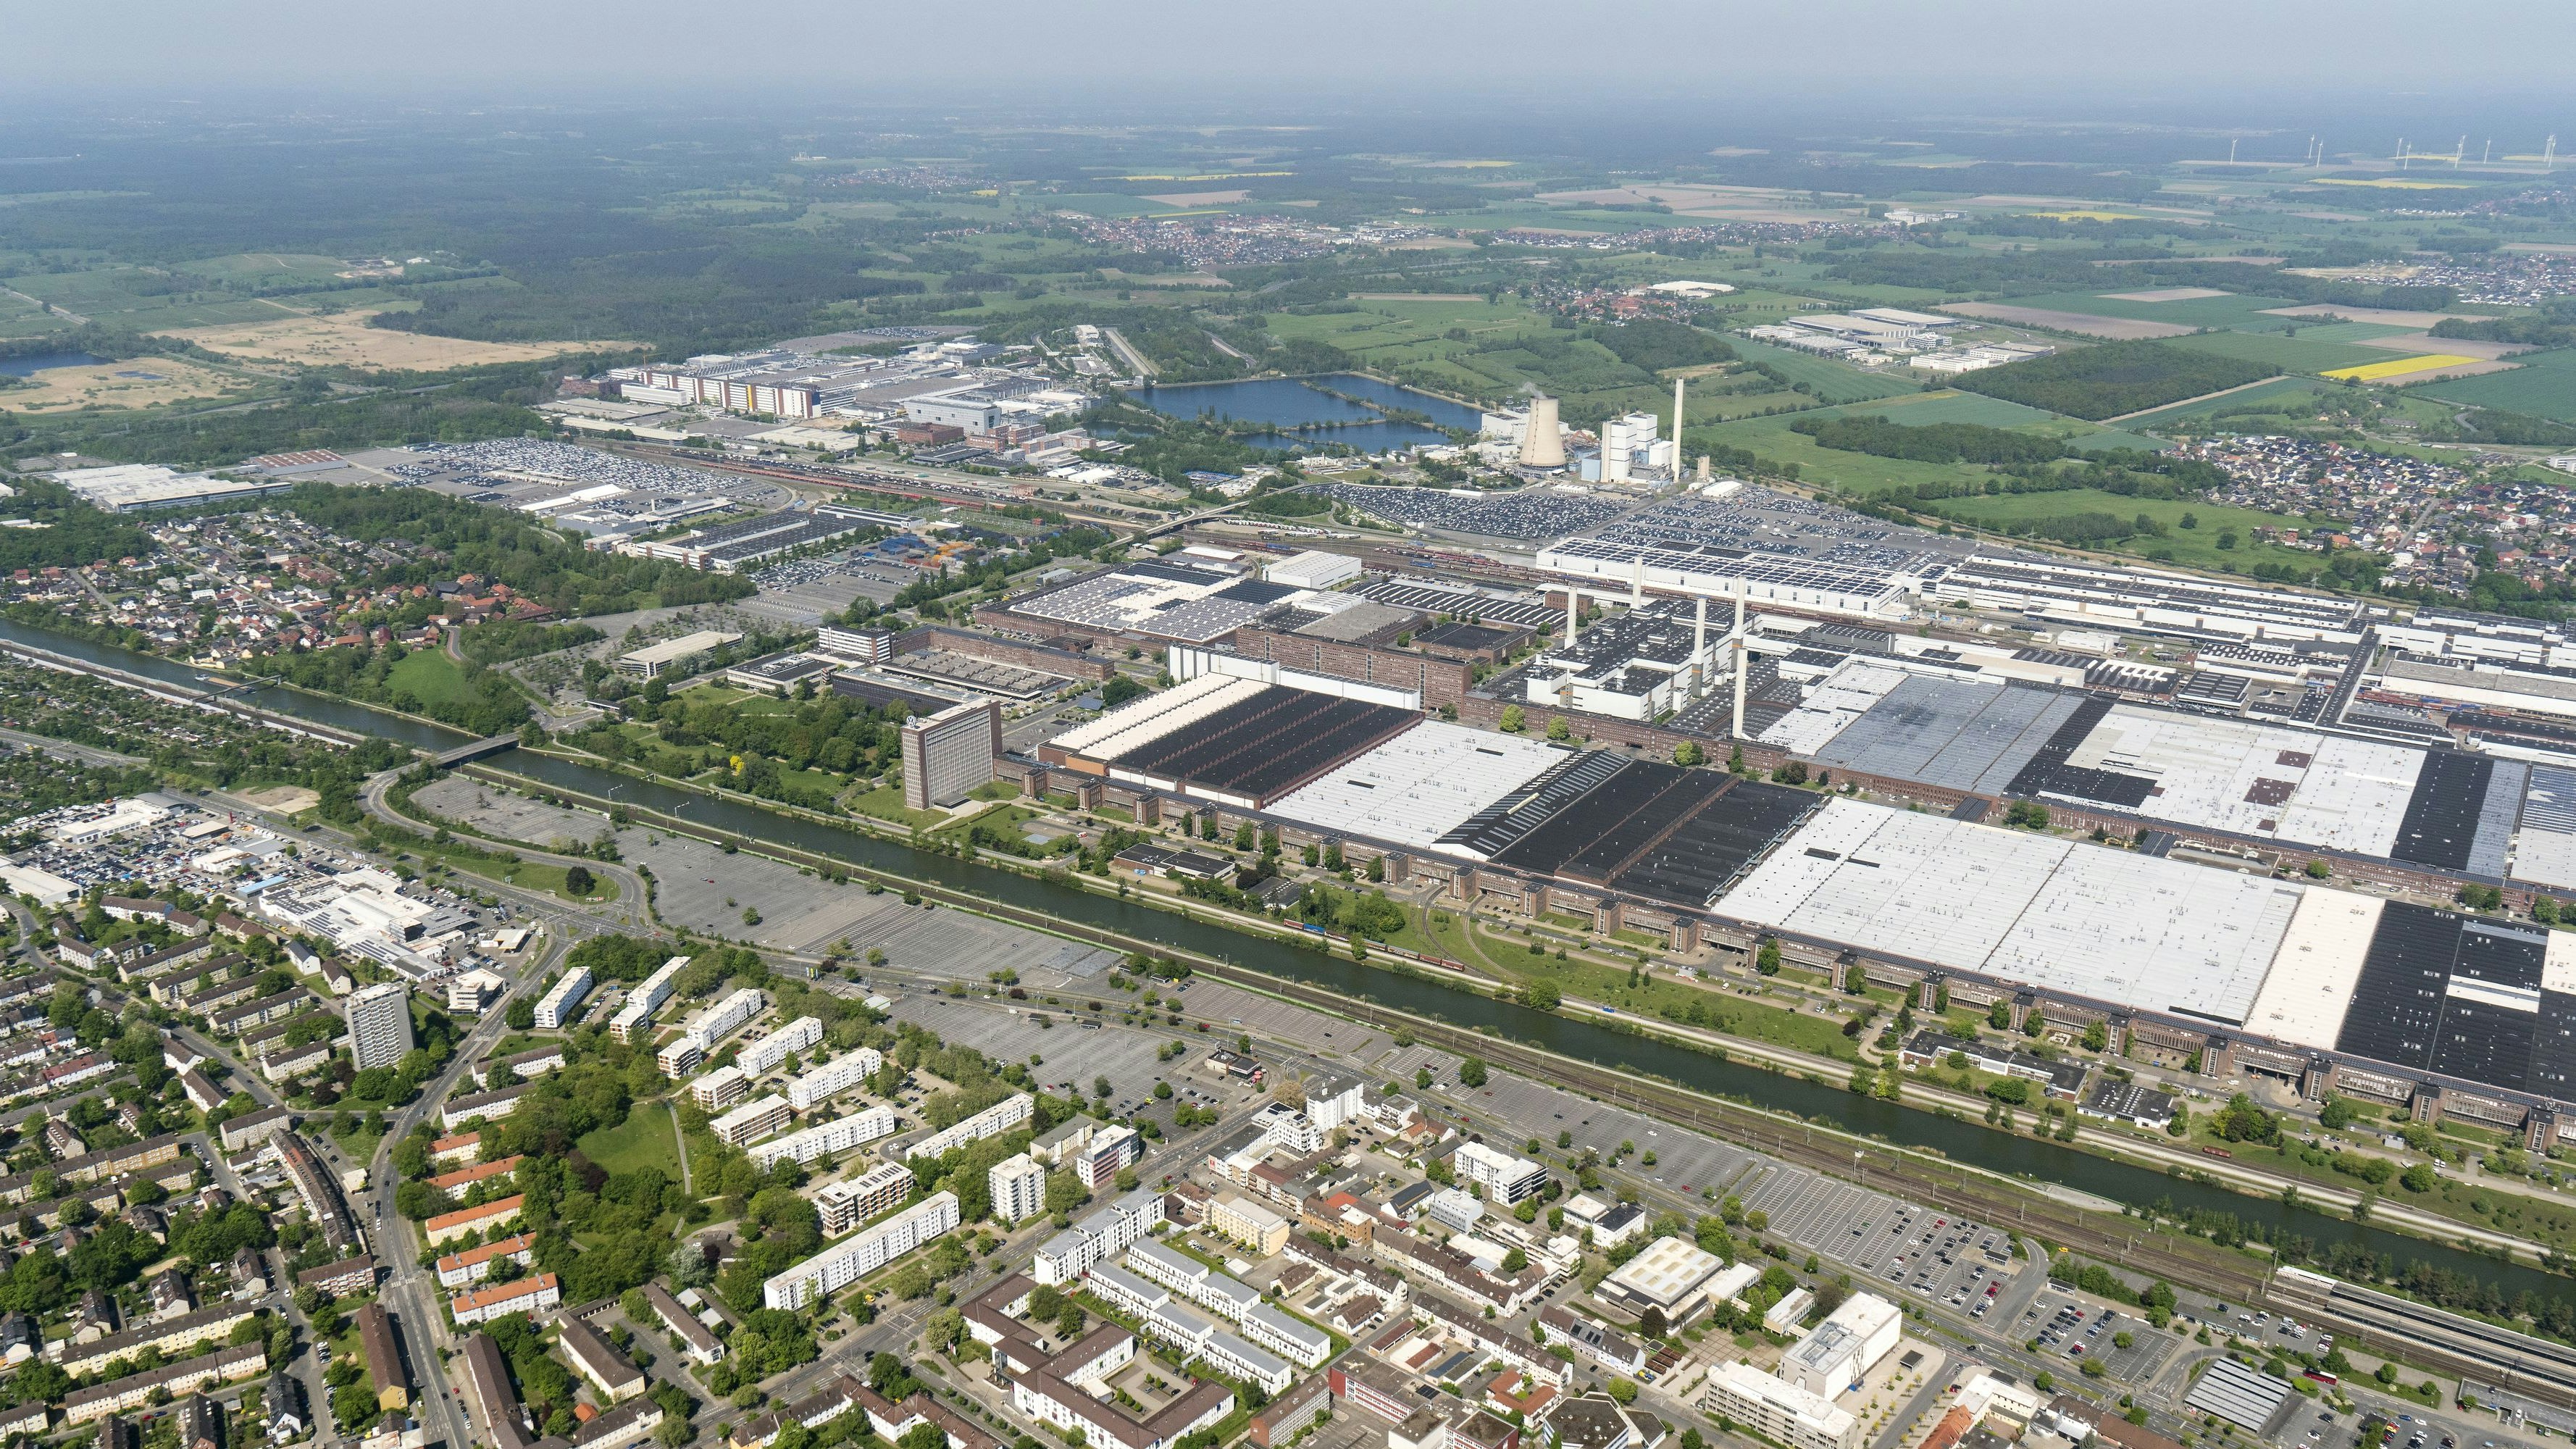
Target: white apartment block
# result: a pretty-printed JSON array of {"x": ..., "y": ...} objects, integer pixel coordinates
[
  {"x": 645, "y": 1000},
  {"x": 379, "y": 1025},
  {"x": 1099, "y": 1236},
  {"x": 839, "y": 1266},
  {"x": 679, "y": 1057},
  {"x": 801, "y": 1035},
  {"x": 1019, "y": 1189},
  {"x": 1782, "y": 1411},
  {"x": 720, "y": 1089},
  {"x": 823, "y": 1139},
  {"x": 558, "y": 1005},
  {"x": 840, "y": 1074},
  {"x": 1003, "y": 1116},
  {"x": 846, "y": 1204},
  {"x": 1506, "y": 1179},
  {"x": 751, "y": 1121},
  {"x": 726, "y": 1017}
]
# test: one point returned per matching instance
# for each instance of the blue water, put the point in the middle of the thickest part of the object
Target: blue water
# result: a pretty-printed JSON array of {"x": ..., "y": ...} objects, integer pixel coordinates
[
  {"x": 1290, "y": 406},
  {"x": 30, "y": 366}
]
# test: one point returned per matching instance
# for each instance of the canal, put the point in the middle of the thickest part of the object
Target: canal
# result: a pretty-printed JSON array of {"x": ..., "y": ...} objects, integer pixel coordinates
[{"x": 1960, "y": 1140}]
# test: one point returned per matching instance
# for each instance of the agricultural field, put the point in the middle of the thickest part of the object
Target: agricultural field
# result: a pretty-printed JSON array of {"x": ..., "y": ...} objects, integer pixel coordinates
[
  {"x": 2242, "y": 314},
  {"x": 142, "y": 382},
  {"x": 2543, "y": 386},
  {"x": 1949, "y": 406},
  {"x": 345, "y": 340},
  {"x": 1832, "y": 381},
  {"x": 2275, "y": 397},
  {"x": 2303, "y": 353}
]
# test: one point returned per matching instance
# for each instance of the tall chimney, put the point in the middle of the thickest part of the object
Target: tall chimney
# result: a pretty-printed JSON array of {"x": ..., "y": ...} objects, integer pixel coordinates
[{"x": 1677, "y": 430}]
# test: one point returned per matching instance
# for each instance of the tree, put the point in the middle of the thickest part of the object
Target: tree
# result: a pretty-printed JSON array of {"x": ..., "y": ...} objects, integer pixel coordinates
[
  {"x": 521, "y": 1015},
  {"x": 1542, "y": 995},
  {"x": 2419, "y": 1178},
  {"x": 1766, "y": 958},
  {"x": 1689, "y": 753},
  {"x": 578, "y": 881},
  {"x": 1514, "y": 721},
  {"x": 1557, "y": 729},
  {"x": 2097, "y": 1037},
  {"x": 1471, "y": 1071}
]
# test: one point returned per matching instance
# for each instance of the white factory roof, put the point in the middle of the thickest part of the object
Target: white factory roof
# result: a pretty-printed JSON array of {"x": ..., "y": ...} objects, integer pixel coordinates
[
  {"x": 1145, "y": 720},
  {"x": 1420, "y": 785},
  {"x": 2086, "y": 920},
  {"x": 2316, "y": 968},
  {"x": 687, "y": 646},
  {"x": 1667, "y": 1272},
  {"x": 2344, "y": 793},
  {"x": 1831, "y": 707}
]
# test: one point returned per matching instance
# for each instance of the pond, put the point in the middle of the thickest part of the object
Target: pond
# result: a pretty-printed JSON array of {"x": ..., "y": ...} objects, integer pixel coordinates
[
  {"x": 1331, "y": 408},
  {"x": 38, "y": 362}
]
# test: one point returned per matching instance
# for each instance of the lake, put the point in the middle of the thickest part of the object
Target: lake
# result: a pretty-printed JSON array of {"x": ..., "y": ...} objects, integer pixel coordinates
[
  {"x": 1302, "y": 411},
  {"x": 30, "y": 366}
]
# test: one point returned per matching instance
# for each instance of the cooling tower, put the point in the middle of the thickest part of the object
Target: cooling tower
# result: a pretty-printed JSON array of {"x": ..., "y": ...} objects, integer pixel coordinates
[{"x": 1543, "y": 441}]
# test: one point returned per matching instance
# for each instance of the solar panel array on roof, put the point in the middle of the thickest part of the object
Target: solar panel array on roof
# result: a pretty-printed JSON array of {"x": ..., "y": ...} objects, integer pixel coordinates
[
  {"x": 2545, "y": 853},
  {"x": 1709, "y": 850},
  {"x": 2396, "y": 1010},
  {"x": 1257, "y": 591},
  {"x": 1265, "y": 745},
  {"x": 1493, "y": 829},
  {"x": 1965, "y": 734},
  {"x": 2231, "y": 1391},
  {"x": 1464, "y": 603},
  {"x": 1594, "y": 837},
  {"x": 2441, "y": 821},
  {"x": 2049, "y": 774}
]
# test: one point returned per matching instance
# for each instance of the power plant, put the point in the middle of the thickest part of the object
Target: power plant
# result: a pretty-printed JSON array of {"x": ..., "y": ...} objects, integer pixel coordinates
[{"x": 1542, "y": 440}]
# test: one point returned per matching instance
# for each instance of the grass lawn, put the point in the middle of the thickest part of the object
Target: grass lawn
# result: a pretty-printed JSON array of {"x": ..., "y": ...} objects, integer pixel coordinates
[
  {"x": 1000, "y": 817},
  {"x": 1856, "y": 472},
  {"x": 886, "y": 803},
  {"x": 431, "y": 677},
  {"x": 2194, "y": 546},
  {"x": 647, "y": 1138},
  {"x": 528, "y": 875}
]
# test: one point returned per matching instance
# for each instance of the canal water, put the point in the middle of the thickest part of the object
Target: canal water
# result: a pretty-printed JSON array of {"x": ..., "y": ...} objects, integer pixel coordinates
[
  {"x": 1959, "y": 1140},
  {"x": 1301, "y": 410}
]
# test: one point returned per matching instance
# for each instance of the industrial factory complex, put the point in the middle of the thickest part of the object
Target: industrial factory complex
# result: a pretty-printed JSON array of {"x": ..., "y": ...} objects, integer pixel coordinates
[{"x": 2284, "y": 792}]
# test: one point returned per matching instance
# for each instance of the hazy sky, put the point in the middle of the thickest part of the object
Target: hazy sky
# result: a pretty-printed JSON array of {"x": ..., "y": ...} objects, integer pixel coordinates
[{"x": 1973, "y": 54}]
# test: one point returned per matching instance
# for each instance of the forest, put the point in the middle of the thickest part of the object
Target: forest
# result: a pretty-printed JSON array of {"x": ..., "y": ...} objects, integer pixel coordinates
[
  {"x": 2114, "y": 378},
  {"x": 1877, "y": 435}
]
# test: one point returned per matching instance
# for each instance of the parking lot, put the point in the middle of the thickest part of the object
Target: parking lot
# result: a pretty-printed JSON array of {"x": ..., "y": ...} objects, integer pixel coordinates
[{"x": 2074, "y": 1329}]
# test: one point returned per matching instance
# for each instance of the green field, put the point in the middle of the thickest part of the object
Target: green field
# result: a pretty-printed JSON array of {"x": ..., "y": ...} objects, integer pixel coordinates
[
  {"x": 647, "y": 1138},
  {"x": 2197, "y": 547},
  {"x": 1112, "y": 205},
  {"x": 1833, "y": 381},
  {"x": 2279, "y": 389},
  {"x": 2290, "y": 354},
  {"x": 2544, "y": 386},
  {"x": 431, "y": 677},
  {"x": 2355, "y": 332},
  {"x": 1854, "y": 472},
  {"x": 2244, "y": 314}
]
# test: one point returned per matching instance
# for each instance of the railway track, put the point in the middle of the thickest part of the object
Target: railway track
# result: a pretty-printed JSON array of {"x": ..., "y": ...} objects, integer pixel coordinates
[{"x": 2504, "y": 1357}]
